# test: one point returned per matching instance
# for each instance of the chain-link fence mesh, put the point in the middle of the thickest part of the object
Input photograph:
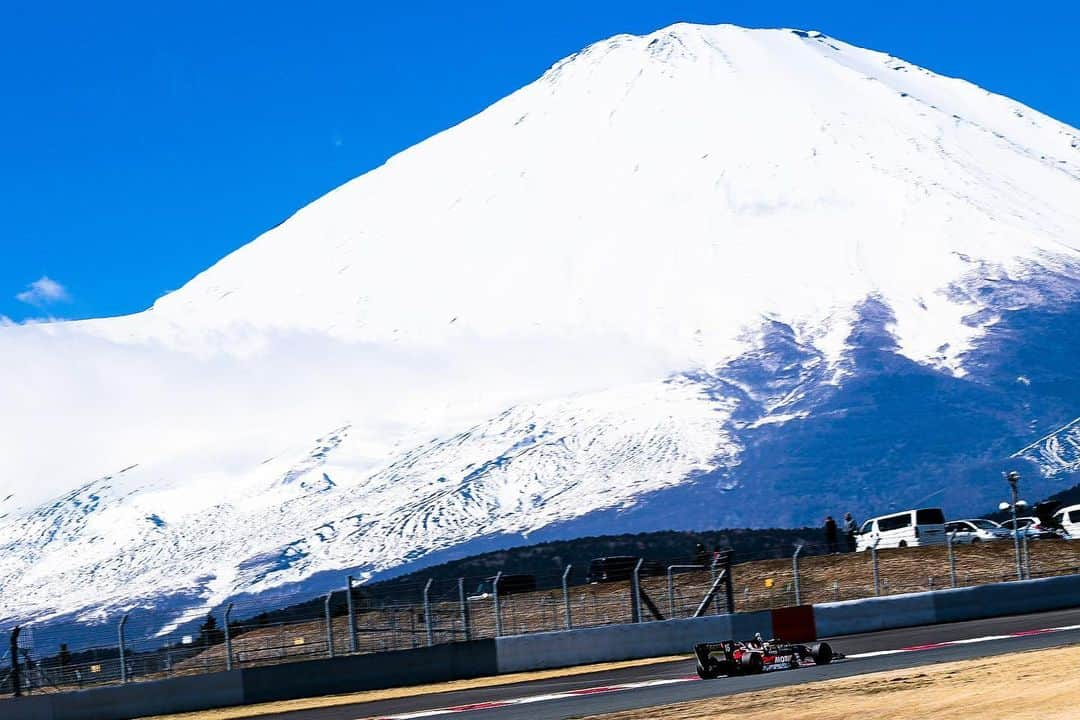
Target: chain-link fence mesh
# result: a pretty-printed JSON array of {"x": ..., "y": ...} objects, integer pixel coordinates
[{"x": 251, "y": 632}]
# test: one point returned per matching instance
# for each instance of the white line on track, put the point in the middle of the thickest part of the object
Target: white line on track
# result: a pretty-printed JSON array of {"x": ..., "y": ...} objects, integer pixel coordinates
[
  {"x": 966, "y": 641},
  {"x": 654, "y": 683}
]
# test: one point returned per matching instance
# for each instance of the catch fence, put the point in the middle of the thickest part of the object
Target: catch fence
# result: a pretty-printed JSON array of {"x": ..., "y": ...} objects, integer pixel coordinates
[{"x": 147, "y": 645}]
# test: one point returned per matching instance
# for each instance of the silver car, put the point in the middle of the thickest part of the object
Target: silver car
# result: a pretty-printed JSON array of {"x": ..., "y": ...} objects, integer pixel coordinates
[
  {"x": 976, "y": 530},
  {"x": 1031, "y": 527}
]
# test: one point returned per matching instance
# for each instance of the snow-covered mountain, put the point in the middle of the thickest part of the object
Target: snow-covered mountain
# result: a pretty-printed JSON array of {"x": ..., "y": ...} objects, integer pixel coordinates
[
  {"x": 1057, "y": 452},
  {"x": 708, "y": 276}
]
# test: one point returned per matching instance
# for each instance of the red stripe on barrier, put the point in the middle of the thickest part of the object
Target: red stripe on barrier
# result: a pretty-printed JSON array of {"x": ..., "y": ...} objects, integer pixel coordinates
[{"x": 794, "y": 624}]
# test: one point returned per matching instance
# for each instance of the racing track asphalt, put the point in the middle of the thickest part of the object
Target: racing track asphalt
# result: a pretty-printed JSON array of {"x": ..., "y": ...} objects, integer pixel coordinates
[{"x": 602, "y": 702}]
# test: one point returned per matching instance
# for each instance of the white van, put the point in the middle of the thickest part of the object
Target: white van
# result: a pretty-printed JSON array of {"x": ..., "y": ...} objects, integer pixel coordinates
[
  {"x": 1069, "y": 518},
  {"x": 910, "y": 528}
]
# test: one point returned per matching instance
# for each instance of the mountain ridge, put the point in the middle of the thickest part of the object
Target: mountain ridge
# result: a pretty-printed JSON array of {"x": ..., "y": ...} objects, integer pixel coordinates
[{"x": 707, "y": 276}]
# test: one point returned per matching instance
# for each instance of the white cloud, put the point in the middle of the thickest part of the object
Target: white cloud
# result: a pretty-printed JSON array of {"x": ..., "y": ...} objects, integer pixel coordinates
[{"x": 43, "y": 291}]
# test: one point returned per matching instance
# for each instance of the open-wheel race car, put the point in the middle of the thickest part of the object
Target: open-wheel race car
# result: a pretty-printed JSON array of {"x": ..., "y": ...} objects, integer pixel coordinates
[{"x": 734, "y": 657}]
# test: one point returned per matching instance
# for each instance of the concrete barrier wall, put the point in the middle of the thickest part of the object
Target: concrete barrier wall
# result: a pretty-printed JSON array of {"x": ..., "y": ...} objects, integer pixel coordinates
[
  {"x": 27, "y": 708},
  {"x": 1013, "y": 598},
  {"x": 277, "y": 682},
  {"x": 940, "y": 606},
  {"x": 623, "y": 642},
  {"x": 150, "y": 698},
  {"x": 869, "y": 614},
  {"x": 159, "y": 697},
  {"x": 440, "y": 663}
]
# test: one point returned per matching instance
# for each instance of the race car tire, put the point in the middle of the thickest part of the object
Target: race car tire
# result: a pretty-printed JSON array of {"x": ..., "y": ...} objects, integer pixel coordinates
[
  {"x": 751, "y": 663},
  {"x": 974, "y": 540},
  {"x": 903, "y": 543},
  {"x": 710, "y": 671},
  {"x": 822, "y": 653}
]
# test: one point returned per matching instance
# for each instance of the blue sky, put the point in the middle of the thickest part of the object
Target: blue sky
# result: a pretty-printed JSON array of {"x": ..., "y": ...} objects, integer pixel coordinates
[{"x": 139, "y": 144}]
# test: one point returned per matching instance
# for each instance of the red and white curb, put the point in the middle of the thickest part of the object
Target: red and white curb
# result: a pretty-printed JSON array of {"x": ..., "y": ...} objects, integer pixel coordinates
[
  {"x": 691, "y": 678},
  {"x": 539, "y": 698}
]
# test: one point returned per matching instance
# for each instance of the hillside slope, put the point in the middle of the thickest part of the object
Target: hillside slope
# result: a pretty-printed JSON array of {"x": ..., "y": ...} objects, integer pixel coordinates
[{"x": 705, "y": 277}]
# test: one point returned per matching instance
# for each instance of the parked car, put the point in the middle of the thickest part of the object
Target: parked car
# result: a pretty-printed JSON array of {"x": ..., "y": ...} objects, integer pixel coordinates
[
  {"x": 976, "y": 530},
  {"x": 1069, "y": 519},
  {"x": 508, "y": 585},
  {"x": 1031, "y": 527},
  {"x": 620, "y": 567},
  {"x": 910, "y": 528}
]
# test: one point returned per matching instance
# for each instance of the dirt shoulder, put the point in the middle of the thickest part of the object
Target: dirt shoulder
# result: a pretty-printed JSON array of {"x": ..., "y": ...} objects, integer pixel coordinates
[{"x": 1038, "y": 685}]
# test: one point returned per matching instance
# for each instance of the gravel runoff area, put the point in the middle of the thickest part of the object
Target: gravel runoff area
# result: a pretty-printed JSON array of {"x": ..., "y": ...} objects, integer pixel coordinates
[{"x": 1036, "y": 685}]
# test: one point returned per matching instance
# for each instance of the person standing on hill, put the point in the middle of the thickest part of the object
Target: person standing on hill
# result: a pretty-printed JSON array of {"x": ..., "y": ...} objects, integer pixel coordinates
[
  {"x": 701, "y": 555},
  {"x": 851, "y": 529},
  {"x": 830, "y": 534}
]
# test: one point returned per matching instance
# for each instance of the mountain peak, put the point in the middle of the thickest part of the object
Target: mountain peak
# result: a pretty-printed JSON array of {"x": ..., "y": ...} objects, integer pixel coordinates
[
  {"x": 689, "y": 39},
  {"x": 734, "y": 146}
]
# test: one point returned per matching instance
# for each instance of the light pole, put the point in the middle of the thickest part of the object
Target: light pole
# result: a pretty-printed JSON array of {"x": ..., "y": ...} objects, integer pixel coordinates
[{"x": 1013, "y": 478}]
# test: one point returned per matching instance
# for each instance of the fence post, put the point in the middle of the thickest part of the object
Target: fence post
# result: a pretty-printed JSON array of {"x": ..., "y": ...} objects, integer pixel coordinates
[
  {"x": 15, "y": 679},
  {"x": 712, "y": 577},
  {"x": 874, "y": 558},
  {"x": 710, "y": 596},
  {"x": 635, "y": 592},
  {"x": 795, "y": 572},
  {"x": 566, "y": 597},
  {"x": 950, "y": 539},
  {"x": 228, "y": 638},
  {"x": 725, "y": 557},
  {"x": 464, "y": 603},
  {"x": 123, "y": 659},
  {"x": 671, "y": 585},
  {"x": 1027, "y": 557},
  {"x": 329, "y": 624},
  {"x": 729, "y": 586},
  {"x": 427, "y": 613},
  {"x": 671, "y": 592},
  {"x": 353, "y": 644},
  {"x": 497, "y": 608}
]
